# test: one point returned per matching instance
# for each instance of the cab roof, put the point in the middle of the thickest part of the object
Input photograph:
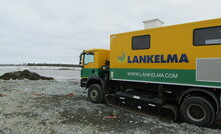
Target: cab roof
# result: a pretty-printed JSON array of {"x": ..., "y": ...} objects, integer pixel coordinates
[{"x": 94, "y": 50}]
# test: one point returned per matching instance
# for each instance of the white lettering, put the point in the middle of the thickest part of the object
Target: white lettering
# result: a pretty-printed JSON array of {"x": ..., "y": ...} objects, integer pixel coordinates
[{"x": 154, "y": 75}]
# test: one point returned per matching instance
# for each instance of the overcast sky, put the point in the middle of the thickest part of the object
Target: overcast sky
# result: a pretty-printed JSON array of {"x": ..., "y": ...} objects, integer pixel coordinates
[{"x": 56, "y": 31}]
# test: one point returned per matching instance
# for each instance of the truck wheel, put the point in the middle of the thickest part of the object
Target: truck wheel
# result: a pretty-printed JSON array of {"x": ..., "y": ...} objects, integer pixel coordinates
[
  {"x": 198, "y": 111},
  {"x": 95, "y": 93}
]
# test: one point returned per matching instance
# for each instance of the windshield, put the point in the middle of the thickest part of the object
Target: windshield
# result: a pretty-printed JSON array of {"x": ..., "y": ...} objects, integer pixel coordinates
[{"x": 88, "y": 58}]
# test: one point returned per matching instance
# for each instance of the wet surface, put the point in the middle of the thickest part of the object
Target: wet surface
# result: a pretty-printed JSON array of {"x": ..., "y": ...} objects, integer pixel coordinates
[{"x": 58, "y": 73}]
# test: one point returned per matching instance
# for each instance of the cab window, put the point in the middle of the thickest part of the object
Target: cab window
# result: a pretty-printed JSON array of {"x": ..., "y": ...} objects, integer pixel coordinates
[{"x": 88, "y": 58}]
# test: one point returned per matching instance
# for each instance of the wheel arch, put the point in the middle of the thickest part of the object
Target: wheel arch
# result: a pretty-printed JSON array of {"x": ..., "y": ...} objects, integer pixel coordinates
[
  {"x": 94, "y": 80},
  {"x": 203, "y": 92}
]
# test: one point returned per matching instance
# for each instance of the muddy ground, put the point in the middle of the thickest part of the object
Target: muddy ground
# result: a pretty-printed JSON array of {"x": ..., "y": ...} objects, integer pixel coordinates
[{"x": 52, "y": 107}]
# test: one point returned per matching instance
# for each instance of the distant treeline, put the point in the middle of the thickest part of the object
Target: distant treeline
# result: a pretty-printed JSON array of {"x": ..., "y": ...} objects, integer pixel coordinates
[
  {"x": 42, "y": 64},
  {"x": 12, "y": 64},
  {"x": 57, "y": 65}
]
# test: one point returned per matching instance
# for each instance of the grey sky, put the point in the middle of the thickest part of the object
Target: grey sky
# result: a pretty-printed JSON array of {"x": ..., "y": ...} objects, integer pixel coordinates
[{"x": 56, "y": 31}]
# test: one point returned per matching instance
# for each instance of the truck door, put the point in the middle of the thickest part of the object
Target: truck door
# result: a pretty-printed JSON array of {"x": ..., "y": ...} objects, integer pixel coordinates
[{"x": 88, "y": 68}]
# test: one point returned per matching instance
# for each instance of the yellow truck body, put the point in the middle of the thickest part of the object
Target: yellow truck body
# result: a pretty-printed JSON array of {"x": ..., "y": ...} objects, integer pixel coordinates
[{"x": 172, "y": 56}]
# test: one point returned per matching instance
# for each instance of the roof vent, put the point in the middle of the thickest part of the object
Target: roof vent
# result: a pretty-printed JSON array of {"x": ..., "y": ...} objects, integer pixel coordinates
[{"x": 153, "y": 23}]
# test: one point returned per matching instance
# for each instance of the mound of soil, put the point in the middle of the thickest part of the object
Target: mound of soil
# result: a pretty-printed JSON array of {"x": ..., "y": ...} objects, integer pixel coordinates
[{"x": 20, "y": 75}]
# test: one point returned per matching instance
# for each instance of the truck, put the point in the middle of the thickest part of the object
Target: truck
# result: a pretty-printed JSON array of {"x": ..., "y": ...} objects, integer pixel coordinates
[{"x": 166, "y": 72}]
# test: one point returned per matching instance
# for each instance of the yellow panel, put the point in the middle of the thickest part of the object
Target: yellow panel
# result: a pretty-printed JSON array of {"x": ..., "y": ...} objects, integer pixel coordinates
[
  {"x": 100, "y": 56},
  {"x": 177, "y": 39}
]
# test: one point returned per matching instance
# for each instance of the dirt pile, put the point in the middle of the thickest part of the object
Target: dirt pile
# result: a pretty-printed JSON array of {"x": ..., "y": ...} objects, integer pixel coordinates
[{"x": 20, "y": 75}]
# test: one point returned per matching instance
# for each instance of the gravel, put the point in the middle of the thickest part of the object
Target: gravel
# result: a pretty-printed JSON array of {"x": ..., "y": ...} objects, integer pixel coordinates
[{"x": 62, "y": 107}]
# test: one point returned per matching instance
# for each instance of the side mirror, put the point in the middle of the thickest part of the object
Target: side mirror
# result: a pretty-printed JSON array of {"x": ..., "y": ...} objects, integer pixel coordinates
[{"x": 80, "y": 59}]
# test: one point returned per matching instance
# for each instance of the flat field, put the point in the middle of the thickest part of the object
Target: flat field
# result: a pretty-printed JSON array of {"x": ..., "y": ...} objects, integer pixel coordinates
[{"x": 60, "y": 106}]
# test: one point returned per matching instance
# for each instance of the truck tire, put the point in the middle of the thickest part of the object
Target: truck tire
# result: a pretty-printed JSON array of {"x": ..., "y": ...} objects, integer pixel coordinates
[
  {"x": 198, "y": 111},
  {"x": 95, "y": 93}
]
